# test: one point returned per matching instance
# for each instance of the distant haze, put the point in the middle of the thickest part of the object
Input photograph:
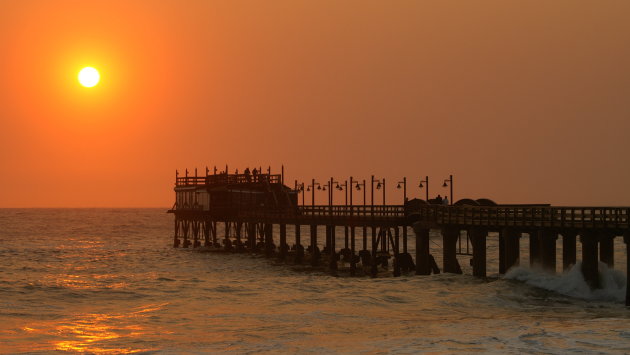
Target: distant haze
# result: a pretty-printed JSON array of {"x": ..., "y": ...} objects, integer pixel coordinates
[{"x": 523, "y": 101}]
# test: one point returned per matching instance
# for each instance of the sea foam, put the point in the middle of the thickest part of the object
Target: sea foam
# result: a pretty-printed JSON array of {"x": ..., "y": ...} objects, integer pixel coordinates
[{"x": 571, "y": 283}]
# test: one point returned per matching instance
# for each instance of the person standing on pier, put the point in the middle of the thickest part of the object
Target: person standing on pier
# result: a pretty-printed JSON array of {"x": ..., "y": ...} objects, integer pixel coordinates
[
  {"x": 247, "y": 174},
  {"x": 438, "y": 200},
  {"x": 255, "y": 173},
  {"x": 445, "y": 201}
]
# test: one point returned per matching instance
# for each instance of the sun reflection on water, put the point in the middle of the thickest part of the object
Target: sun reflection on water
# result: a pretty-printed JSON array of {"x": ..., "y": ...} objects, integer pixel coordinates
[{"x": 99, "y": 333}]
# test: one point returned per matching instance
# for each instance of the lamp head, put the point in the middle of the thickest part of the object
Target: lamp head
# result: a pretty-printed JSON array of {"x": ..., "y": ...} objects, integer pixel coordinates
[{"x": 444, "y": 184}]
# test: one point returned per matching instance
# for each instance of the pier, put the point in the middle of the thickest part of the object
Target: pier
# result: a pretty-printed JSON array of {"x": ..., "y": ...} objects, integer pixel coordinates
[{"x": 249, "y": 205}]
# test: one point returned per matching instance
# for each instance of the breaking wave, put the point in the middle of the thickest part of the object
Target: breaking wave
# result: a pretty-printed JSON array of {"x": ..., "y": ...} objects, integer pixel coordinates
[{"x": 571, "y": 283}]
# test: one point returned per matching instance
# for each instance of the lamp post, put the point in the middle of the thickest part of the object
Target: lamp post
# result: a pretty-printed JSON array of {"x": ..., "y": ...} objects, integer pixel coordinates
[
  {"x": 300, "y": 189},
  {"x": 426, "y": 181},
  {"x": 341, "y": 187},
  {"x": 358, "y": 187},
  {"x": 449, "y": 182},
  {"x": 378, "y": 186},
  {"x": 404, "y": 187},
  {"x": 311, "y": 188}
]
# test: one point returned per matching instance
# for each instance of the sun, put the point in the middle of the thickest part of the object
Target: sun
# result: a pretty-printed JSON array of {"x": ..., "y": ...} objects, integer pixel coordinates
[{"x": 89, "y": 77}]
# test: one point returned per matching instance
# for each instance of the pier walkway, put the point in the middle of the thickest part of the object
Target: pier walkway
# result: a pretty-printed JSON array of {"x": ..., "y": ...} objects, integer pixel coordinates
[{"x": 250, "y": 205}]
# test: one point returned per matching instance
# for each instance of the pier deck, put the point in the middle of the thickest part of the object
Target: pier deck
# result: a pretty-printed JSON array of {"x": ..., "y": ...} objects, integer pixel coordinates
[{"x": 250, "y": 204}]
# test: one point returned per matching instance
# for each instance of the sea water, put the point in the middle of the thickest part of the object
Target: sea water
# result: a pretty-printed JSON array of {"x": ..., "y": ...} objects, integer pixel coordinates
[{"x": 109, "y": 281}]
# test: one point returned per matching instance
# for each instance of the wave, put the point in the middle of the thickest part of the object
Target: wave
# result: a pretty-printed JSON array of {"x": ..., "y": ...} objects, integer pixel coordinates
[{"x": 571, "y": 283}]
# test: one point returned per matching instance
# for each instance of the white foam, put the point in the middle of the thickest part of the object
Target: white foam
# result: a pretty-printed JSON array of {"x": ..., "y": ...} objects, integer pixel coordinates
[{"x": 571, "y": 283}]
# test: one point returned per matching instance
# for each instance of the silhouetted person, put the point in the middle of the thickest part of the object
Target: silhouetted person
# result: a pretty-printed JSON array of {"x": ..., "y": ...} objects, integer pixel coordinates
[
  {"x": 438, "y": 199},
  {"x": 445, "y": 201},
  {"x": 247, "y": 177},
  {"x": 255, "y": 173}
]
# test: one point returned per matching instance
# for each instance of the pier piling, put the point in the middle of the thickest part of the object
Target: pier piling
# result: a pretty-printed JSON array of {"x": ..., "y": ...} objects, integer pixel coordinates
[{"x": 568, "y": 249}]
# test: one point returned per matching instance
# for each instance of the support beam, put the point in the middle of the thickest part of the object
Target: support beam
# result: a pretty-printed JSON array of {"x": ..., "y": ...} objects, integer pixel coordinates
[
  {"x": 512, "y": 247},
  {"x": 333, "y": 251},
  {"x": 374, "y": 270},
  {"x": 314, "y": 250},
  {"x": 299, "y": 249},
  {"x": 449, "y": 250},
  {"x": 478, "y": 239},
  {"x": 547, "y": 243},
  {"x": 502, "y": 267},
  {"x": 269, "y": 246},
  {"x": 396, "y": 251},
  {"x": 176, "y": 235},
  {"x": 607, "y": 249},
  {"x": 251, "y": 237},
  {"x": 353, "y": 262},
  {"x": 423, "y": 263},
  {"x": 404, "y": 238},
  {"x": 568, "y": 249},
  {"x": 283, "y": 242},
  {"x": 590, "y": 261},
  {"x": 626, "y": 239},
  {"x": 534, "y": 250}
]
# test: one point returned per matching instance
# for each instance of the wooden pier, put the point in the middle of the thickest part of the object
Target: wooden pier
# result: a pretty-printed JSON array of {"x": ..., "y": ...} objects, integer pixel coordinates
[{"x": 249, "y": 205}]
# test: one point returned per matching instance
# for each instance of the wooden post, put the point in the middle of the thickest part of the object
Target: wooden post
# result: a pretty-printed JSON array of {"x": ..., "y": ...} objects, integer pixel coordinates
[
  {"x": 396, "y": 251},
  {"x": 374, "y": 270},
  {"x": 626, "y": 239},
  {"x": 251, "y": 237},
  {"x": 283, "y": 242},
  {"x": 534, "y": 249},
  {"x": 449, "y": 250},
  {"x": 478, "y": 239},
  {"x": 333, "y": 252},
  {"x": 269, "y": 247},
  {"x": 186, "y": 227},
  {"x": 314, "y": 250},
  {"x": 502, "y": 263},
  {"x": 547, "y": 240},
  {"x": 512, "y": 247},
  {"x": 590, "y": 261},
  {"x": 404, "y": 238},
  {"x": 423, "y": 264},
  {"x": 353, "y": 262},
  {"x": 299, "y": 251},
  {"x": 607, "y": 249},
  {"x": 364, "y": 230},
  {"x": 206, "y": 233},
  {"x": 176, "y": 235},
  {"x": 568, "y": 249}
]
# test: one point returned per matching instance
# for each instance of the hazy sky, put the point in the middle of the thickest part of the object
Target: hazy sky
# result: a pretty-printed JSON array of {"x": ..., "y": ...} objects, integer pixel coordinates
[{"x": 523, "y": 101}]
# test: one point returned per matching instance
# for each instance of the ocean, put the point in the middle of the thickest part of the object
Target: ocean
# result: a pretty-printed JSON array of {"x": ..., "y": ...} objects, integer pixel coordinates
[{"x": 108, "y": 281}]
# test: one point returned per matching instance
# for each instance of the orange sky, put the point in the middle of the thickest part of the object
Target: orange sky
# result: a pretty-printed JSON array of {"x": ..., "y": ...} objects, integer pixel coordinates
[{"x": 523, "y": 101}]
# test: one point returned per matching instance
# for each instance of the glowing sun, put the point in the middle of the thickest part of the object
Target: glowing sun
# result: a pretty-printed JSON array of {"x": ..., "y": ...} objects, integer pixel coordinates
[{"x": 89, "y": 77}]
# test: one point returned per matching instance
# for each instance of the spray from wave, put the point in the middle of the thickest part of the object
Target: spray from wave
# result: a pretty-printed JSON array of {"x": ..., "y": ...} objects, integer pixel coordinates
[{"x": 571, "y": 283}]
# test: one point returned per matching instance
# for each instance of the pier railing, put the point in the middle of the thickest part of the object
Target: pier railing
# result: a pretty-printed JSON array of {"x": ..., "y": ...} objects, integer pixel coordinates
[
  {"x": 226, "y": 179},
  {"x": 547, "y": 216},
  {"x": 497, "y": 216}
]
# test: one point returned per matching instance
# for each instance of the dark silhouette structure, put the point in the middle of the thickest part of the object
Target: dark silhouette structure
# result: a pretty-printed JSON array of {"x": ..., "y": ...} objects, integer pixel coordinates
[{"x": 249, "y": 207}]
